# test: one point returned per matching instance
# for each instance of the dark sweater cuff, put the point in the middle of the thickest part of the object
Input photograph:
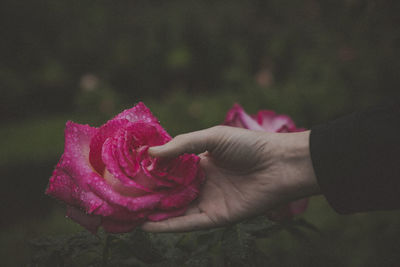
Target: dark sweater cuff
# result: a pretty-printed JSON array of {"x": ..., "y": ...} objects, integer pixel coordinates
[{"x": 357, "y": 160}]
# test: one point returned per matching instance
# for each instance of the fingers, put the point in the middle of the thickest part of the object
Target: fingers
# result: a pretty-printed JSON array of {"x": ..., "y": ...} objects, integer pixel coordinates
[
  {"x": 194, "y": 142},
  {"x": 191, "y": 222},
  {"x": 193, "y": 209}
]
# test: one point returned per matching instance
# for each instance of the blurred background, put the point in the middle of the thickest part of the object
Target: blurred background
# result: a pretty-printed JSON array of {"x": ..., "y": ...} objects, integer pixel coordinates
[{"x": 189, "y": 61}]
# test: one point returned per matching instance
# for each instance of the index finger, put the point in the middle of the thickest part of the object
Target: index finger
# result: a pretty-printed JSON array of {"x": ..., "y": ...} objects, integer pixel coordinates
[{"x": 194, "y": 142}]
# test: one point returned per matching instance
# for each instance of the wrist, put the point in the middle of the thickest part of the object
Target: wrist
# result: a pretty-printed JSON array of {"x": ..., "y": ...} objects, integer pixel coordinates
[{"x": 298, "y": 172}]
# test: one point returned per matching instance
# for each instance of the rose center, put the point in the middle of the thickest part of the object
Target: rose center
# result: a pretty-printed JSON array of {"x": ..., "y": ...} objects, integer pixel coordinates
[{"x": 128, "y": 165}]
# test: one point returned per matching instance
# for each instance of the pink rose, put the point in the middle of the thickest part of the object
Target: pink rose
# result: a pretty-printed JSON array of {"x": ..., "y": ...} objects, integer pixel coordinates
[
  {"x": 269, "y": 121},
  {"x": 107, "y": 178}
]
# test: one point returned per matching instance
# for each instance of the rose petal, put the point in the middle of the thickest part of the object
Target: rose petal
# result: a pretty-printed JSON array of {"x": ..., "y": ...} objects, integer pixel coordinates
[
  {"x": 237, "y": 117},
  {"x": 122, "y": 183},
  {"x": 180, "y": 197},
  {"x": 148, "y": 169},
  {"x": 288, "y": 211},
  {"x": 162, "y": 215},
  {"x": 161, "y": 166},
  {"x": 185, "y": 169},
  {"x": 141, "y": 135},
  {"x": 63, "y": 187},
  {"x": 106, "y": 131},
  {"x": 118, "y": 186},
  {"x": 101, "y": 188},
  {"x": 272, "y": 122},
  {"x": 75, "y": 160},
  {"x": 89, "y": 222},
  {"x": 127, "y": 157},
  {"x": 138, "y": 113},
  {"x": 148, "y": 134},
  {"x": 298, "y": 206}
]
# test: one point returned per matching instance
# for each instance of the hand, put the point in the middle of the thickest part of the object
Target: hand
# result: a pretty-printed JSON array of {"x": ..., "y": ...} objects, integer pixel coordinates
[{"x": 247, "y": 173}]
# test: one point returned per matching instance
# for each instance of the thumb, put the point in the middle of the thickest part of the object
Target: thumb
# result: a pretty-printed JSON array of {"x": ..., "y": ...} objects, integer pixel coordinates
[{"x": 194, "y": 142}]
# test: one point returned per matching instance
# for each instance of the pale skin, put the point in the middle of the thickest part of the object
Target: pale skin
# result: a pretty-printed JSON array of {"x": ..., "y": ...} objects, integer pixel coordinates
[{"x": 247, "y": 174}]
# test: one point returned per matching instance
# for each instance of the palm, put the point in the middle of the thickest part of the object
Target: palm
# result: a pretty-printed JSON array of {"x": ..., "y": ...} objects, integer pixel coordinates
[{"x": 228, "y": 196}]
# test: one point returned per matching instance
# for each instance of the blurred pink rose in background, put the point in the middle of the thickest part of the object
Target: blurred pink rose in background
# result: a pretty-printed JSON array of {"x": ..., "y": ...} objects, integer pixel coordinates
[
  {"x": 268, "y": 121},
  {"x": 106, "y": 177}
]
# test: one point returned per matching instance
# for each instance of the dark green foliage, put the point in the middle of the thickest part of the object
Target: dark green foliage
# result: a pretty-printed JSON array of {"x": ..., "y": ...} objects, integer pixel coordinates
[
  {"x": 75, "y": 250},
  {"x": 231, "y": 246}
]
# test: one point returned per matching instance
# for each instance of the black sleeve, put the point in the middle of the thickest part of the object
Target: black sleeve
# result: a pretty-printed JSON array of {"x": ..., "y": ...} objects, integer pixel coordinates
[{"x": 357, "y": 159}]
